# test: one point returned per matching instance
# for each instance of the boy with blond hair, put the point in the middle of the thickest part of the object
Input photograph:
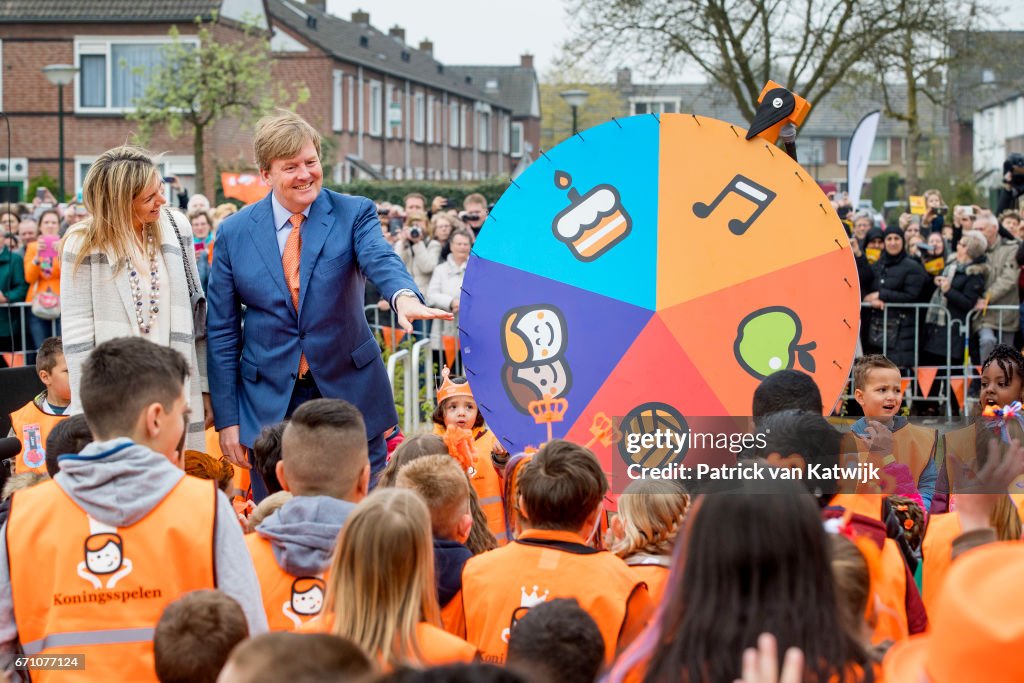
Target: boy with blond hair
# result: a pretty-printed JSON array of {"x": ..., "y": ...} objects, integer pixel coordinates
[{"x": 31, "y": 424}]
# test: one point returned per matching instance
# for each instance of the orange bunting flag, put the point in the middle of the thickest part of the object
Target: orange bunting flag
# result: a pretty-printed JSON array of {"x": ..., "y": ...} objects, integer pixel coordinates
[
  {"x": 392, "y": 336},
  {"x": 904, "y": 383},
  {"x": 451, "y": 348},
  {"x": 14, "y": 360},
  {"x": 925, "y": 379},
  {"x": 957, "y": 385},
  {"x": 247, "y": 187}
]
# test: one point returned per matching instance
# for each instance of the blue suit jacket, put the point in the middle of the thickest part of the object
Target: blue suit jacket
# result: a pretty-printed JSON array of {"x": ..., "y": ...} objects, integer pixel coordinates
[{"x": 252, "y": 372}]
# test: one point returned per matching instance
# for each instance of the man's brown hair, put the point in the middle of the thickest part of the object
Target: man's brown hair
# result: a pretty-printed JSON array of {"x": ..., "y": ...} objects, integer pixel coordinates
[
  {"x": 195, "y": 635},
  {"x": 441, "y": 482},
  {"x": 282, "y": 136},
  {"x": 561, "y": 486},
  {"x": 324, "y": 448},
  {"x": 49, "y": 353},
  {"x": 865, "y": 364},
  {"x": 123, "y": 376}
]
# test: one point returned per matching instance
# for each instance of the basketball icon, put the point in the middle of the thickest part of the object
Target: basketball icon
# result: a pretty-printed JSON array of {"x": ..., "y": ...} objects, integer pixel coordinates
[{"x": 649, "y": 436}]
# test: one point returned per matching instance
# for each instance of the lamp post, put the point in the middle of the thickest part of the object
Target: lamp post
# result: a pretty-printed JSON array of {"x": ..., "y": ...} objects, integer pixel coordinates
[
  {"x": 575, "y": 100},
  {"x": 60, "y": 75}
]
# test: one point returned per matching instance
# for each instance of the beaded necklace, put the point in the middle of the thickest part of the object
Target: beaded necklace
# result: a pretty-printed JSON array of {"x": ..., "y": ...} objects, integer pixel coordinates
[{"x": 154, "y": 285}]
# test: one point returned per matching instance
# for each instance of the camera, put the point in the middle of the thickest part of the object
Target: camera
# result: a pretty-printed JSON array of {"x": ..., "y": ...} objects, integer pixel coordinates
[
  {"x": 395, "y": 225},
  {"x": 471, "y": 216},
  {"x": 942, "y": 210},
  {"x": 415, "y": 233}
]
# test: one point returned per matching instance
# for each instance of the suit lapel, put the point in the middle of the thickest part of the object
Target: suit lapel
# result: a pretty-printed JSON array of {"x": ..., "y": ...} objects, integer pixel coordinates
[
  {"x": 264, "y": 237},
  {"x": 318, "y": 227},
  {"x": 124, "y": 289}
]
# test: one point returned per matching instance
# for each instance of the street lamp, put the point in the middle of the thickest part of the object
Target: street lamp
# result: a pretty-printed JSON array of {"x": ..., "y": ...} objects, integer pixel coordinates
[
  {"x": 575, "y": 99},
  {"x": 60, "y": 75}
]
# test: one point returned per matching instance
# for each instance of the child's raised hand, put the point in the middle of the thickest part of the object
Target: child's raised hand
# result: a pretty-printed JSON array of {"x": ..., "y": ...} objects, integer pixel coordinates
[{"x": 761, "y": 665}]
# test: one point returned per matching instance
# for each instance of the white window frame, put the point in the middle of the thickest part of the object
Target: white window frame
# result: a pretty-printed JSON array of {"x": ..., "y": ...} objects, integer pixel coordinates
[
  {"x": 453, "y": 124},
  {"x": 2, "y": 76},
  {"x": 431, "y": 133},
  {"x": 338, "y": 102},
  {"x": 101, "y": 45},
  {"x": 351, "y": 101},
  {"x": 871, "y": 162},
  {"x": 517, "y": 150},
  {"x": 376, "y": 123},
  {"x": 463, "y": 113},
  {"x": 483, "y": 139},
  {"x": 661, "y": 101},
  {"x": 169, "y": 164},
  {"x": 419, "y": 128}
]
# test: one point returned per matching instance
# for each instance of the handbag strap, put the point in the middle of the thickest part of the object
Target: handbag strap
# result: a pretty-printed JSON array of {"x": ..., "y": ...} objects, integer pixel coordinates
[{"x": 192, "y": 288}]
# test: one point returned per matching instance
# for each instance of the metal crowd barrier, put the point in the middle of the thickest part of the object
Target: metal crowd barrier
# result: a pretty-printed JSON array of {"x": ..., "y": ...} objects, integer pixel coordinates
[{"x": 20, "y": 345}]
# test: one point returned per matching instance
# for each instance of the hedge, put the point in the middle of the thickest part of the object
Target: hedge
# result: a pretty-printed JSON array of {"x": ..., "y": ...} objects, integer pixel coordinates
[{"x": 395, "y": 190}]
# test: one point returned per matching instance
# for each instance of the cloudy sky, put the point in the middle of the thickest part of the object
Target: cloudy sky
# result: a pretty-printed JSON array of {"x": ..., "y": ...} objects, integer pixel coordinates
[{"x": 498, "y": 31}]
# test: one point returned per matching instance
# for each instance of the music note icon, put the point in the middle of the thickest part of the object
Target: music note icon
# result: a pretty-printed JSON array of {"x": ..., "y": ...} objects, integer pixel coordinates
[{"x": 760, "y": 195}]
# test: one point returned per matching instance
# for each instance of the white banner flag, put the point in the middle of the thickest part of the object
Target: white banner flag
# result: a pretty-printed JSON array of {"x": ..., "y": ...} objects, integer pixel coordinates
[{"x": 860, "y": 152}]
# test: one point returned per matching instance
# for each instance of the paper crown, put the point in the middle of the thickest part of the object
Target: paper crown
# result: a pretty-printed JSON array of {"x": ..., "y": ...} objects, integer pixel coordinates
[{"x": 450, "y": 388}]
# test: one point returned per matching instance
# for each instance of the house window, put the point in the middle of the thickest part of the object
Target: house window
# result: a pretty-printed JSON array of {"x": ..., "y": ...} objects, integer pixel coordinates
[
  {"x": 453, "y": 124},
  {"x": 420, "y": 130},
  {"x": 2, "y": 76},
  {"x": 376, "y": 113},
  {"x": 517, "y": 139},
  {"x": 339, "y": 82},
  {"x": 879, "y": 151},
  {"x": 463, "y": 113},
  {"x": 352, "y": 103},
  {"x": 483, "y": 142},
  {"x": 654, "y": 106},
  {"x": 810, "y": 151},
  {"x": 988, "y": 76},
  {"x": 114, "y": 73}
]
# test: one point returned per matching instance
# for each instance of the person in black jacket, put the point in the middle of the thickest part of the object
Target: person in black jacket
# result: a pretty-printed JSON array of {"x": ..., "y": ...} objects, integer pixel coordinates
[{"x": 898, "y": 279}]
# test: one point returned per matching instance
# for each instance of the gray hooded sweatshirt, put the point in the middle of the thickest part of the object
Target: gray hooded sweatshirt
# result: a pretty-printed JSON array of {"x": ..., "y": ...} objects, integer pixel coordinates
[
  {"x": 118, "y": 483},
  {"x": 303, "y": 532}
]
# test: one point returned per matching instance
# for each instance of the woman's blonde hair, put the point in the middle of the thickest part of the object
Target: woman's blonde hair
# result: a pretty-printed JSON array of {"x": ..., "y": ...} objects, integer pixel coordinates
[
  {"x": 651, "y": 512},
  {"x": 382, "y": 577},
  {"x": 114, "y": 180}
]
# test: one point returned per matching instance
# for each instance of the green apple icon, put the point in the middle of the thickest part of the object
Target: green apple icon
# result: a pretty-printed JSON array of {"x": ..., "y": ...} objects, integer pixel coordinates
[{"x": 768, "y": 340}]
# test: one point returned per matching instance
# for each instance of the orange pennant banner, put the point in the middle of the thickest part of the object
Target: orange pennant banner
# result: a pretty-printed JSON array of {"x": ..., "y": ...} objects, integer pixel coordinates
[
  {"x": 925, "y": 379},
  {"x": 957, "y": 385},
  {"x": 247, "y": 187},
  {"x": 904, "y": 383},
  {"x": 451, "y": 348},
  {"x": 14, "y": 360},
  {"x": 392, "y": 337}
]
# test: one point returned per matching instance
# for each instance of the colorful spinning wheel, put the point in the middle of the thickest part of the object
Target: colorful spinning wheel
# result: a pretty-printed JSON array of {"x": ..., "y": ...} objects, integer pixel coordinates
[{"x": 653, "y": 269}]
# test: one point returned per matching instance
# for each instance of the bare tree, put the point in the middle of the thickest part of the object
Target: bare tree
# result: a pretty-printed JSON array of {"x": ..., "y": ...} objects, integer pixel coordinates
[{"x": 807, "y": 45}]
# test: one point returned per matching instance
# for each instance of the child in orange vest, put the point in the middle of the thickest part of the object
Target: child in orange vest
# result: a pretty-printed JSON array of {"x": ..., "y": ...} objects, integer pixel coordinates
[
  {"x": 651, "y": 513},
  {"x": 32, "y": 423},
  {"x": 325, "y": 465},
  {"x": 561, "y": 493},
  {"x": 443, "y": 485},
  {"x": 381, "y": 592},
  {"x": 460, "y": 423}
]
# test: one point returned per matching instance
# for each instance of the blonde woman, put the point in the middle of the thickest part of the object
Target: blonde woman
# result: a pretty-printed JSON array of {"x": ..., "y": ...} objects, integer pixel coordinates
[
  {"x": 651, "y": 512},
  {"x": 124, "y": 275},
  {"x": 381, "y": 593}
]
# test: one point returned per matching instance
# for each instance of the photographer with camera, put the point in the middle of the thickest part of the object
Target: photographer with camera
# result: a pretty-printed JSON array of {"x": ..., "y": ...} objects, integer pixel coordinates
[
  {"x": 474, "y": 212},
  {"x": 419, "y": 252},
  {"x": 1013, "y": 184},
  {"x": 935, "y": 213}
]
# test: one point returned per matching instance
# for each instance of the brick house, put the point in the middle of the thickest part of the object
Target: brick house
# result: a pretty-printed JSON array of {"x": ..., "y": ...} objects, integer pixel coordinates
[
  {"x": 395, "y": 112},
  {"x": 106, "y": 41}
]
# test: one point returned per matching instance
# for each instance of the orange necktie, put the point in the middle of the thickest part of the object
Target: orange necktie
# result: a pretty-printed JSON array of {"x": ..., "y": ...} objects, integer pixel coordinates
[{"x": 290, "y": 261}]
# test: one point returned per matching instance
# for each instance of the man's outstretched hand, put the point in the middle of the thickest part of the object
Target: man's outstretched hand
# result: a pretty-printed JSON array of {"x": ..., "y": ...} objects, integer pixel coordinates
[{"x": 409, "y": 308}]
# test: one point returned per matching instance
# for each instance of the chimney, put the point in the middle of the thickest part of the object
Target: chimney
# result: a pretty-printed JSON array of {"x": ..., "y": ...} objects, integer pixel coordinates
[
  {"x": 360, "y": 17},
  {"x": 526, "y": 60},
  {"x": 318, "y": 4},
  {"x": 624, "y": 78},
  {"x": 397, "y": 32},
  {"x": 427, "y": 46}
]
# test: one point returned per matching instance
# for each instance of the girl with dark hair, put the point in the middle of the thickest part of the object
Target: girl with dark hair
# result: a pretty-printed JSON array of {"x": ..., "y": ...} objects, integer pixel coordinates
[{"x": 748, "y": 564}]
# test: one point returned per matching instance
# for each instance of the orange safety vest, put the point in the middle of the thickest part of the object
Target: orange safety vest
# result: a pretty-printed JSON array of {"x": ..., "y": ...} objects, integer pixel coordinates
[
  {"x": 80, "y": 586},
  {"x": 912, "y": 445},
  {"x": 485, "y": 480},
  {"x": 437, "y": 646},
  {"x": 654, "y": 574},
  {"x": 32, "y": 426},
  {"x": 499, "y": 586},
  {"x": 289, "y": 601},
  {"x": 937, "y": 554},
  {"x": 891, "y": 611},
  {"x": 962, "y": 443}
]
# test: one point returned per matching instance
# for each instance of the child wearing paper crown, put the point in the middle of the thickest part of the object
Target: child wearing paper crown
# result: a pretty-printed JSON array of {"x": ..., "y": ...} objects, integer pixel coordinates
[{"x": 471, "y": 443}]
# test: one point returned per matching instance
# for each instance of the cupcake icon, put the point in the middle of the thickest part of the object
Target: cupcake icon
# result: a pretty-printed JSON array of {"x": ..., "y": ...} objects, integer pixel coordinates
[{"x": 592, "y": 223}]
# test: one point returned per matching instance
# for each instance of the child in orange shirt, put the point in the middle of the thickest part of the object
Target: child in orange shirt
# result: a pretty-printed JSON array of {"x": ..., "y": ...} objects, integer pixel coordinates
[
  {"x": 32, "y": 423},
  {"x": 460, "y": 423}
]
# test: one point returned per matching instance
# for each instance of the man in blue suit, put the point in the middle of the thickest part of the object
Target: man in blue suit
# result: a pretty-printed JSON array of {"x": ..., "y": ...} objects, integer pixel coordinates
[{"x": 298, "y": 261}]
